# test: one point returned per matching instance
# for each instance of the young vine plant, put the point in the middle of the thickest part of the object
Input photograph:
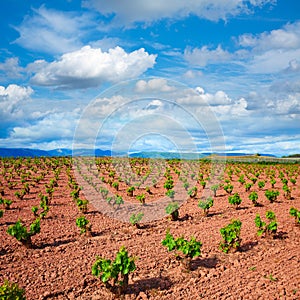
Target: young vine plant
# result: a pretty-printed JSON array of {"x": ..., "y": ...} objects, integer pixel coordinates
[
  {"x": 189, "y": 249},
  {"x": 115, "y": 274}
]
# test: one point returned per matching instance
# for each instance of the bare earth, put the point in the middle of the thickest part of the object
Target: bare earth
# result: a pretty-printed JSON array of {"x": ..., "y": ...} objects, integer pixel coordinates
[{"x": 59, "y": 265}]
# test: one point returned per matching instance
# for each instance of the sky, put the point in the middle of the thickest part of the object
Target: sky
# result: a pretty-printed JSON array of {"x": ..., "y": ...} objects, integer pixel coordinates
[{"x": 136, "y": 75}]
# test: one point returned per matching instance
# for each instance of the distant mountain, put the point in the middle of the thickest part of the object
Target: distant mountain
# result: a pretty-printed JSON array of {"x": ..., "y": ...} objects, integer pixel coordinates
[
  {"x": 22, "y": 152},
  {"x": 178, "y": 155},
  {"x": 292, "y": 156},
  {"x": 167, "y": 155},
  {"x": 238, "y": 154},
  {"x": 59, "y": 152},
  {"x": 26, "y": 152}
]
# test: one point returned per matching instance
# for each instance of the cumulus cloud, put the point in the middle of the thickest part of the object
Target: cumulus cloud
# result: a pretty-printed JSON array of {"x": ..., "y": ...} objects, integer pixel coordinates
[
  {"x": 156, "y": 84},
  {"x": 287, "y": 37},
  {"x": 294, "y": 66},
  {"x": 106, "y": 43},
  {"x": 268, "y": 52},
  {"x": 203, "y": 56},
  {"x": 129, "y": 12},
  {"x": 288, "y": 107},
  {"x": 279, "y": 104},
  {"x": 57, "y": 31},
  {"x": 54, "y": 126},
  {"x": 11, "y": 68},
  {"x": 201, "y": 98},
  {"x": 55, "y": 129},
  {"x": 289, "y": 87},
  {"x": 153, "y": 106},
  {"x": 192, "y": 74},
  {"x": 235, "y": 110},
  {"x": 89, "y": 67},
  {"x": 272, "y": 61},
  {"x": 11, "y": 100},
  {"x": 219, "y": 98},
  {"x": 145, "y": 116},
  {"x": 274, "y": 51}
]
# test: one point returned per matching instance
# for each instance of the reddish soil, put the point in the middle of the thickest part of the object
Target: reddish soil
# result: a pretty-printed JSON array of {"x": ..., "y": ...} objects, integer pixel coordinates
[{"x": 59, "y": 264}]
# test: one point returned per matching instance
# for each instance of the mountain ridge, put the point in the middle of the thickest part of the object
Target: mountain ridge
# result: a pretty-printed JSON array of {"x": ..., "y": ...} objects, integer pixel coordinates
[{"x": 28, "y": 152}]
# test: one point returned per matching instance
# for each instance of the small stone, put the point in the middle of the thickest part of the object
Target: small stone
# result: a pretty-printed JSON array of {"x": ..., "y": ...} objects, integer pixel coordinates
[
  {"x": 83, "y": 283},
  {"x": 236, "y": 263},
  {"x": 142, "y": 296},
  {"x": 194, "y": 280},
  {"x": 46, "y": 294},
  {"x": 222, "y": 268}
]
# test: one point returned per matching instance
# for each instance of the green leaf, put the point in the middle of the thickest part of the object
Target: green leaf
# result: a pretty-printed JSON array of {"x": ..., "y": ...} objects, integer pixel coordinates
[
  {"x": 188, "y": 248},
  {"x": 11, "y": 291},
  {"x": 231, "y": 235},
  {"x": 171, "y": 207},
  {"x": 108, "y": 270},
  {"x": 19, "y": 231},
  {"x": 169, "y": 241},
  {"x": 35, "y": 227}
]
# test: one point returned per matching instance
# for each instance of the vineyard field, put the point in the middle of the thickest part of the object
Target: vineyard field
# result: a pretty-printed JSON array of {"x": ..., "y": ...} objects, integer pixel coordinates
[{"x": 106, "y": 191}]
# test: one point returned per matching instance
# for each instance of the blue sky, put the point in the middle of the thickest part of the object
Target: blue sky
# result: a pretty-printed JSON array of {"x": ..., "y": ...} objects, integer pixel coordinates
[{"x": 151, "y": 75}]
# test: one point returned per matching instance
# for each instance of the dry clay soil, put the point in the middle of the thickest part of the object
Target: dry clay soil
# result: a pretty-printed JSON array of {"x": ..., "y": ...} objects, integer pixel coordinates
[{"x": 59, "y": 265}]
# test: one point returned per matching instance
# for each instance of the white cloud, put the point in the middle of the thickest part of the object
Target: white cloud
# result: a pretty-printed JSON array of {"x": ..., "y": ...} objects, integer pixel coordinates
[
  {"x": 294, "y": 66},
  {"x": 11, "y": 68},
  {"x": 282, "y": 101},
  {"x": 286, "y": 87},
  {"x": 274, "y": 51},
  {"x": 89, "y": 67},
  {"x": 53, "y": 31},
  {"x": 200, "y": 90},
  {"x": 11, "y": 100},
  {"x": 106, "y": 43},
  {"x": 155, "y": 104},
  {"x": 53, "y": 126},
  {"x": 151, "y": 107},
  {"x": 287, "y": 37},
  {"x": 203, "y": 56},
  {"x": 156, "y": 84},
  {"x": 272, "y": 61},
  {"x": 277, "y": 145},
  {"x": 289, "y": 106},
  {"x": 192, "y": 74},
  {"x": 128, "y": 12},
  {"x": 205, "y": 99},
  {"x": 232, "y": 111},
  {"x": 264, "y": 53}
]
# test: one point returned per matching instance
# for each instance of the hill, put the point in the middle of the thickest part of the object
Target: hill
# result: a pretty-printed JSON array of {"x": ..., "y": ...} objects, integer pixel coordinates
[{"x": 27, "y": 152}]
